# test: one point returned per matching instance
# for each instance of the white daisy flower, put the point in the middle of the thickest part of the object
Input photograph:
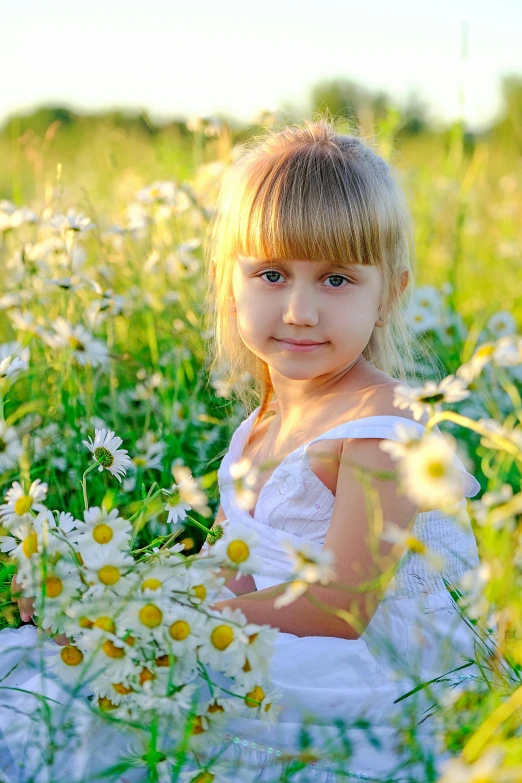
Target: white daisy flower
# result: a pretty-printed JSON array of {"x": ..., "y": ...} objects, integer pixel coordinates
[
  {"x": 157, "y": 580},
  {"x": 431, "y": 396},
  {"x": 68, "y": 662},
  {"x": 158, "y": 191},
  {"x": 468, "y": 371},
  {"x": 508, "y": 351},
  {"x": 421, "y": 320},
  {"x": 12, "y": 366},
  {"x": 10, "y": 446},
  {"x": 205, "y": 732},
  {"x": 235, "y": 549},
  {"x": 427, "y": 297},
  {"x": 110, "y": 660},
  {"x": 502, "y": 324},
  {"x": 189, "y": 490},
  {"x": 177, "y": 509},
  {"x": 106, "y": 449},
  {"x": 428, "y": 474},
  {"x": 109, "y": 572},
  {"x": 223, "y": 638},
  {"x": 54, "y": 591},
  {"x": 72, "y": 221},
  {"x": 245, "y": 477},
  {"x": 84, "y": 348},
  {"x": 184, "y": 628},
  {"x": 19, "y": 505},
  {"x": 257, "y": 651},
  {"x": 408, "y": 435},
  {"x": 145, "y": 617},
  {"x": 150, "y": 453},
  {"x": 261, "y": 701},
  {"x": 409, "y": 543},
  {"x": 101, "y": 530},
  {"x": 481, "y": 509}
]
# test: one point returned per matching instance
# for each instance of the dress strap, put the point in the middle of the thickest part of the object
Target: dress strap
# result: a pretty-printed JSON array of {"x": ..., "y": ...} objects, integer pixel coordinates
[{"x": 386, "y": 427}]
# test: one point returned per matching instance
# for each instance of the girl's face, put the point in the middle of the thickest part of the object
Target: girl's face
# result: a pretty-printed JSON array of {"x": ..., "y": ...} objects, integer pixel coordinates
[{"x": 306, "y": 300}]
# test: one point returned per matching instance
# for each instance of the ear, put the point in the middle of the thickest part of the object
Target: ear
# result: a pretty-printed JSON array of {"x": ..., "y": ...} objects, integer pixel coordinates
[
  {"x": 213, "y": 269},
  {"x": 405, "y": 276}
]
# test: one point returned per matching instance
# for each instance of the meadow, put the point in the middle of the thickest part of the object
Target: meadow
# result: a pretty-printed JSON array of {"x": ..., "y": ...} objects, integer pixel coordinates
[{"x": 103, "y": 326}]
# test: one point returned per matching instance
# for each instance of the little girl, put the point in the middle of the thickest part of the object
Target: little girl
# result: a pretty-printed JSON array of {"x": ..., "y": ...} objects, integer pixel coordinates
[
  {"x": 310, "y": 261},
  {"x": 309, "y": 257}
]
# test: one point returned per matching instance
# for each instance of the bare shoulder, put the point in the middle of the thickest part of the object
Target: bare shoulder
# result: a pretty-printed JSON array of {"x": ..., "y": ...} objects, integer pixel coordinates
[{"x": 382, "y": 403}]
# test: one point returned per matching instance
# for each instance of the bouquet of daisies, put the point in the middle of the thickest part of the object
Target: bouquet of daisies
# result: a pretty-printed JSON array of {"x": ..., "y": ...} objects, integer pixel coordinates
[{"x": 143, "y": 637}]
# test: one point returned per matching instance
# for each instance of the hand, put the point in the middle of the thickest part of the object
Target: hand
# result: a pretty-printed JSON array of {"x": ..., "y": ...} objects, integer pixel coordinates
[{"x": 26, "y": 609}]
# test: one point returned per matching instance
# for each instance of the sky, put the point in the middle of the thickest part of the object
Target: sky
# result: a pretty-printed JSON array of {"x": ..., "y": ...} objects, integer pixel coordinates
[{"x": 181, "y": 59}]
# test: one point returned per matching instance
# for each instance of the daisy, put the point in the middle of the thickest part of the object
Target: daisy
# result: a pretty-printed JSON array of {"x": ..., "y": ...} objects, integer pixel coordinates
[
  {"x": 145, "y": 617},
  {"x": 508, "y": 351},
  {"x": 428, "y": 298},
  {"x": 111, "y": 572},
  {"x": 150, "y": 453},
  {"x": 431, "y": 396},
  {"x": 19, "y": 504},
  {"x": 102, "y": 530},
  {"x": 223, "y": 637},
  {"x": 421, "y": 320},
  {"x": 158, "y": 191},
  {"x": 468, "y": 371},
  {"x": 54, "y": 591},
  {"x": 257, "y": 651},
  {"x": 260, "y": 701},
  {"x": 159, "y": 580},
  {"x": 106, "y": 449},
  {"x": 10, "y": 445},
  {"x": 189, "y": 490},
  {"x": 408, "y": 435},
  {"x": 502, "y": 324},
  {"x": 72, "y": 221},
  {"x": 235, "y": 550},
  {"x": 245, "y": 477},
  {"x": 11, "y": 367},
  {"x": 68, "y": 662},
  {"x": 409, "y": 543},
  {"x": 184, "y": 628},
  {"x": 428, "y": 474},
  {"x": 84, "y": 348}
]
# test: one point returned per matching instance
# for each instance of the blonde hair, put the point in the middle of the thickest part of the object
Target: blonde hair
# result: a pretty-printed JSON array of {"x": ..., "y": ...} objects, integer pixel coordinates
[{"x": 307, "y": 191}]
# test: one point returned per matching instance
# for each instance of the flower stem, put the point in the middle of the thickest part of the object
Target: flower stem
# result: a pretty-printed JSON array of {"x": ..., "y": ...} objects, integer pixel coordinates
[{"x": 84, "y": 483}]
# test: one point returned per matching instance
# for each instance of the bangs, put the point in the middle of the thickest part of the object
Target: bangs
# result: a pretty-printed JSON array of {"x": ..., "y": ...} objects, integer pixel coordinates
[{"x": 310, "y": 205}]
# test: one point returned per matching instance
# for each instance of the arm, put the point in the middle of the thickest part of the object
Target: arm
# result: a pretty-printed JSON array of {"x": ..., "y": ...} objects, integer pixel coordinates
[
  {"x": 245, "y": 583},
  {"x": 359, "y": 556}
]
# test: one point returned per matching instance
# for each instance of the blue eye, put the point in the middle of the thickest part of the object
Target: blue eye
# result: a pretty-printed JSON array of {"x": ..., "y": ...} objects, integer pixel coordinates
[{"x": 338, "y": 277}]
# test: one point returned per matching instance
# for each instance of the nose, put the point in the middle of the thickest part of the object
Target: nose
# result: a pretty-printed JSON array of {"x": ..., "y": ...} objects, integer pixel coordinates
[{"x": 300, "y": 307}]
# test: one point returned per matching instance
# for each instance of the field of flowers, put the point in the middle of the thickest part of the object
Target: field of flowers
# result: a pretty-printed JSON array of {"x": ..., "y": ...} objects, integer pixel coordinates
[{"x": 103, "y": 355}]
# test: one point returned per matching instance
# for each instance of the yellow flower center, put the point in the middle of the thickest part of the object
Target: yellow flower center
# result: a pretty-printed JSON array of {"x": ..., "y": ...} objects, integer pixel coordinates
[
  {"x": 106, "y": 704},
  {"x": 102, "y": 533},
  {"x": 150, "y": 616},
  {"x": 415, "y": 545},
  {"x": 215, "y": 708},
  {"x": 84, "y": 622},
  {"x": 75, "y": 344},
  {"x": 436, "y": 470},
  {"x": 105, "y": 624},
  {"x": 197, "y": 725},
  {"x": 484, "y": 350},
  {"x": 108, "y": 575},
  {"x": 238, "y": 551},
  {"x": 200, "y": 591},
  {"x": 111, "y": 651},
  {"x": 140, "y": 462},
  {"x": 247, "y": 667},
  {"x": 146, "y": 676},
  {"x": 71, "y": 656},
  {"x": 163, "y": 661},
  {"x": 179, "y": 630},
  {"x": 203, "y": 777},
  {"x": 252, "y": 638},
  {"x": 121, "y": 689},
  {"x": 53, "y": 586},
  {"x": 151, "y": 584},
  {"x": 222, "y": 636},
  {"x": 23, "y": 504},
  {"x": 257, "y": 693},
  {"x": 30, "y": 544}
]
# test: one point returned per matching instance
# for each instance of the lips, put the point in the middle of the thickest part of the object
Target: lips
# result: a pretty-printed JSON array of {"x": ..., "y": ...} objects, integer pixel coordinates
[{"x": 299, "y": 342}]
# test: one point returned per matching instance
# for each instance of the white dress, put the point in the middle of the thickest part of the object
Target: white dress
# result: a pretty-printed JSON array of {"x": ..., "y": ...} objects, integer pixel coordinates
[
  {"x": 326, "y": 679},
  {"x": 415, "y": 635}
]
